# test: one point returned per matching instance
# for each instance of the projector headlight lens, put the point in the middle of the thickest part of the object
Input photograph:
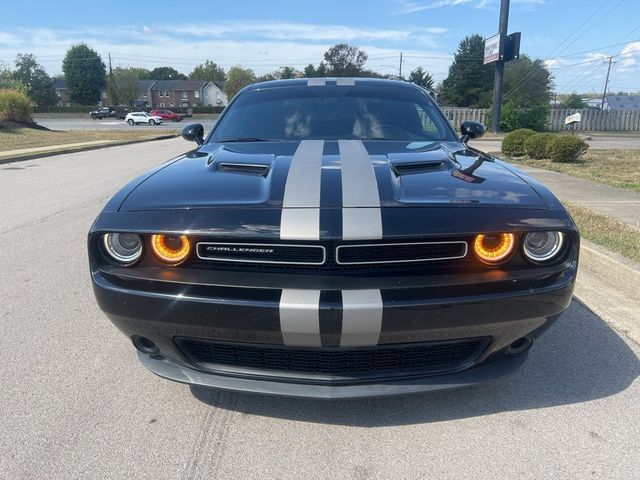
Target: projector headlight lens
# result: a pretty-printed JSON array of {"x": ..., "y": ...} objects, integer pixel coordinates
[
  {"x": 124, "y": 248},
  {"x": 494, "y": 248},
  {"x": 542, "y": 247},
  {"x": 173, "y": 249}
]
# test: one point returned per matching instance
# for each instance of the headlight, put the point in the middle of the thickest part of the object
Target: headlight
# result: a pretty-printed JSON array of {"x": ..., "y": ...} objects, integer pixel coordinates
[
  {"x": 173, "y": 249},
  {"x": 494, "y": 248},
  {"x": 543, "y": 246},
  {"x": 124, "y": 248}
]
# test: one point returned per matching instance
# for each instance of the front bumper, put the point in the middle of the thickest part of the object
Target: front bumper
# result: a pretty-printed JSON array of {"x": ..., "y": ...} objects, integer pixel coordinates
[
  {"x": 164, "y": 311},
  {"x": 485, "y": 372}
]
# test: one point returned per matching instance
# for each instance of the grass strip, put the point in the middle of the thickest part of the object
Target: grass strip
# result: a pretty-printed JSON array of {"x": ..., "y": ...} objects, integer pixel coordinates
[{"x": 606, "y": 231}]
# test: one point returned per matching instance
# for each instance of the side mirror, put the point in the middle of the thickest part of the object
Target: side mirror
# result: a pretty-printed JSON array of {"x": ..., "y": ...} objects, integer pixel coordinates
[
  {"x": 194, "y": 133},
  {"x": 471, "y": 130}
]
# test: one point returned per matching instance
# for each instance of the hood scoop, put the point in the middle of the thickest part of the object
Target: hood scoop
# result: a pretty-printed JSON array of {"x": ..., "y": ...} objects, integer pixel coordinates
[
  {"x": 228, "y": 161},
  {"x": 418, "y": 167},
  {"x": 244, "y": 168},
  {"x": 423, "y": 162}
]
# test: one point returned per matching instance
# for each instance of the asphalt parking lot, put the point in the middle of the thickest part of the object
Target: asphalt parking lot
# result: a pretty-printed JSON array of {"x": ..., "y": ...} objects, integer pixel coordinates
[{"x": 76, "y": 404}]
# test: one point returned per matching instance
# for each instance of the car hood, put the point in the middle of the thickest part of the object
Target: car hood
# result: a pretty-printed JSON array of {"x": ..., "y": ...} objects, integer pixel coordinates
[{"x": 256, "y": 174}]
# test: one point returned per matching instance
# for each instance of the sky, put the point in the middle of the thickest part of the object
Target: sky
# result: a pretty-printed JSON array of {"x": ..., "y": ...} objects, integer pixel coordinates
[{"x": 574, "y": 37}]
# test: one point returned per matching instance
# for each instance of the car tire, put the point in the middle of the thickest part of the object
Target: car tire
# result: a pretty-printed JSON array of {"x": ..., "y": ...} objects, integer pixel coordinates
[
  {"x": 152, "y": 122},
  {"x": 131, "y": 122}
]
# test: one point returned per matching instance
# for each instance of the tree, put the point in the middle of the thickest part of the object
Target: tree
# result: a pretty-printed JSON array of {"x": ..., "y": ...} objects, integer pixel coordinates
[
  {"x": 286, "y": 72},
  {"x": 422, "y": 78},
  {"x": 122, "y": 86},
  {"x": 527, "y": 93},
  {"x": 9, "y": 82},
  {"x": 166, "y": 73},
  {"x": 573, "y": 101},
  {"x": 527, "y": 82},
  {"x": 85, "y": 74},
  {"x": 237, "y": 79},
  {"x": 208, "y": 71},
  {"x": 281, "y": 74},
  {"x": 309, "y": 71},
  {"x": 141, "y": 72},
  {"x": 469, "y": 83},
  {"x": 345, "y": 60},
  {"x": 39, "y": 85}
]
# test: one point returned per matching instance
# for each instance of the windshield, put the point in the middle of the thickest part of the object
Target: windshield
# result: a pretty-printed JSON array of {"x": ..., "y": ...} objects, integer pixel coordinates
[{"x": 332, "y": 113}]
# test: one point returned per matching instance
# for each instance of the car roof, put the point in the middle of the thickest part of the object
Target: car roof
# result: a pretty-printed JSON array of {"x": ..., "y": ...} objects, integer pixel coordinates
[{"x": 329, "y": 81}]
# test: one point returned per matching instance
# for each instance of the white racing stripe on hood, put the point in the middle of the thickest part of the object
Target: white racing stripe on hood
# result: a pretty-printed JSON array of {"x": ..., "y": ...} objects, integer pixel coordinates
[
  {"x": 300, "y": 317},
  {"x": 361, "y": 318},
  {"x": 361, "y": 215},
  {"x": 316, "y": 82},
  {"x": 301, "y": 202}
]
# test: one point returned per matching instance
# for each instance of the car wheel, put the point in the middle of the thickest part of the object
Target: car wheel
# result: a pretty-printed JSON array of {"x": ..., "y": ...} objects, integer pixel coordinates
[
  {"x": 131, "y": 122},
  {"x": 152, "y": 122}
]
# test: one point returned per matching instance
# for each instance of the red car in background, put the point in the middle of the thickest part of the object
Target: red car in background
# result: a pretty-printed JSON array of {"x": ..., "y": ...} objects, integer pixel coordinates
[{"x": 167, "y": 115}]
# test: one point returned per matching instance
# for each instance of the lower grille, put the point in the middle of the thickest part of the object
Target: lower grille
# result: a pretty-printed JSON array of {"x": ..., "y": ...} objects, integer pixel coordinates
[{"x": 350, "y": 363}]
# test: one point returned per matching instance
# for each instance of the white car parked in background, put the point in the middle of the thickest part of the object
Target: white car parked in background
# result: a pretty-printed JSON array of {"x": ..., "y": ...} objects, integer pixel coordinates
[{"x": 134, "y": 118}]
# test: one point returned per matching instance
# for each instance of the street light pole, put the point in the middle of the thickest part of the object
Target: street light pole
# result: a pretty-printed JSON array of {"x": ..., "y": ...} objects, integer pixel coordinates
[{"x": 499, "y": 77}]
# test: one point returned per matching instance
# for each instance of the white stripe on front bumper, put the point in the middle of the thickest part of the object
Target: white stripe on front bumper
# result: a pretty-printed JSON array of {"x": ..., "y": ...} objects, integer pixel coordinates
[
  {"x": 300, "y": 317},
  {"x": 361, "y": 318}
]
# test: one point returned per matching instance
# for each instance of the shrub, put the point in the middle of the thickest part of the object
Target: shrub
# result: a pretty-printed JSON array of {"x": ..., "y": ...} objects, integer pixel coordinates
[
  {"x": 536, "y": 145},
  {"x": 14, "y": 106},
  {"x": 514, "y": 117},
  {"x": 566, "y": 148},
  {"x": 513, "y": 143}
]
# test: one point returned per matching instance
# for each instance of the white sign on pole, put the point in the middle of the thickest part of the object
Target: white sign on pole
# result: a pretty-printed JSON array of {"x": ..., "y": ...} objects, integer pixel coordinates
[
  {"x": 492, "y": 47},
  {"x": 571, "y": 119}
]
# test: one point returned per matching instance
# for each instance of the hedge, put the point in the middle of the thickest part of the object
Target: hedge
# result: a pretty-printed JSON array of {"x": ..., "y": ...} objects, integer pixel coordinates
[
  {"x": 513, "y": 143},
  {"x": 566, "y": 148},
  {"x": 536, "y": 146}
]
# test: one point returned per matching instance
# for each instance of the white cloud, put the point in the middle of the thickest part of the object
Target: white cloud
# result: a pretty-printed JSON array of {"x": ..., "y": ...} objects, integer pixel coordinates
[{"x": 262, "y": 46}]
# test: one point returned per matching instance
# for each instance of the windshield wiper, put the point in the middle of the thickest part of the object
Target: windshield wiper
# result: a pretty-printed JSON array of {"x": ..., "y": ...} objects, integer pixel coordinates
[{"x": 248, "y": 139}]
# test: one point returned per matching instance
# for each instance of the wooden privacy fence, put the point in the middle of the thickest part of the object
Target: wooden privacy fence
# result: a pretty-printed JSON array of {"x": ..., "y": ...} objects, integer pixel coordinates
[
  {"x": 457, "y": 115},
  {"x": 595, "y": 120},
  {"x": 592, "y": 118}
]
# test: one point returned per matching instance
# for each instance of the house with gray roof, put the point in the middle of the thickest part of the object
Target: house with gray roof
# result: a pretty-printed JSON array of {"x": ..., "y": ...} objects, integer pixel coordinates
[{"x": 622, "y": 102}]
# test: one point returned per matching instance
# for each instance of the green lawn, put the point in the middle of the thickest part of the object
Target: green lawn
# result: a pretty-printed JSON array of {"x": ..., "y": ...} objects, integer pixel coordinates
[
  {"x": 617, "y": 168},
  {"x": 19, "y": 138},
  {"x": 605, "y": 231}
]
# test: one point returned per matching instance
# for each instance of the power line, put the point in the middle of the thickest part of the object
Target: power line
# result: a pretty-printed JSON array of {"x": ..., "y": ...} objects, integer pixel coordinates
[{"x": 528, "y": 77}]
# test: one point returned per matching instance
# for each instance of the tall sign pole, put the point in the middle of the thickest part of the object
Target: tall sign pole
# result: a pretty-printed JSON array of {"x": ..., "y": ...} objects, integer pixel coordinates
[{"x": 499, "y": 78}]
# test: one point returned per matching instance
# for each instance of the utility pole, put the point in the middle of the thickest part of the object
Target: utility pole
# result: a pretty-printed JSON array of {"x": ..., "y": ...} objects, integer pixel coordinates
[
  {"x": 499, "y": 78},
  {"x": 606, "y": 84},
  {"x": 400, "y": 71},
  {"x": 110, "y": 70}
]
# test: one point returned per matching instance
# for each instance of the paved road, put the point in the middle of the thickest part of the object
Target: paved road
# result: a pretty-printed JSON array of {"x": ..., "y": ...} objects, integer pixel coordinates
[
  {"x": 76, "y": 404},
  {"x": 81, "y": 123}
]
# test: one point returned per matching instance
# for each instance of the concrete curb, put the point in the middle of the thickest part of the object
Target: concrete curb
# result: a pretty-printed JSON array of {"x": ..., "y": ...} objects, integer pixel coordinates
[
  {"x": 608, "y": 285},
  {"x": 62, "y": 151}
]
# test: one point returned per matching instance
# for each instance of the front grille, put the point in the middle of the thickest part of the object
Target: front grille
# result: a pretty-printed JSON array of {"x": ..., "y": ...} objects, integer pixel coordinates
[
  {"x": 349, "y": 363},
  {"x": 400, "y": 252},
  {"x": 261, "y": 253},
  {"x": 330, "y": 256}
]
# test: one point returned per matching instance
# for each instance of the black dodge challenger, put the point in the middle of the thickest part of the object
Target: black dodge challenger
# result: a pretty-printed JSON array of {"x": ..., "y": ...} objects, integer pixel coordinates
[{"x": 333, "y": 238}]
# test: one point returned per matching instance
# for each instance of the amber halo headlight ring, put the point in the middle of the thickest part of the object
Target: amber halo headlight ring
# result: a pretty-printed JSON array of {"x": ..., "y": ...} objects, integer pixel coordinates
[
  {"x": 171, "y": 248},
  {"x": 543, "y": 247},
  {"x": 123, "y": 247},
  {"x": 494, "y": 248}
]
